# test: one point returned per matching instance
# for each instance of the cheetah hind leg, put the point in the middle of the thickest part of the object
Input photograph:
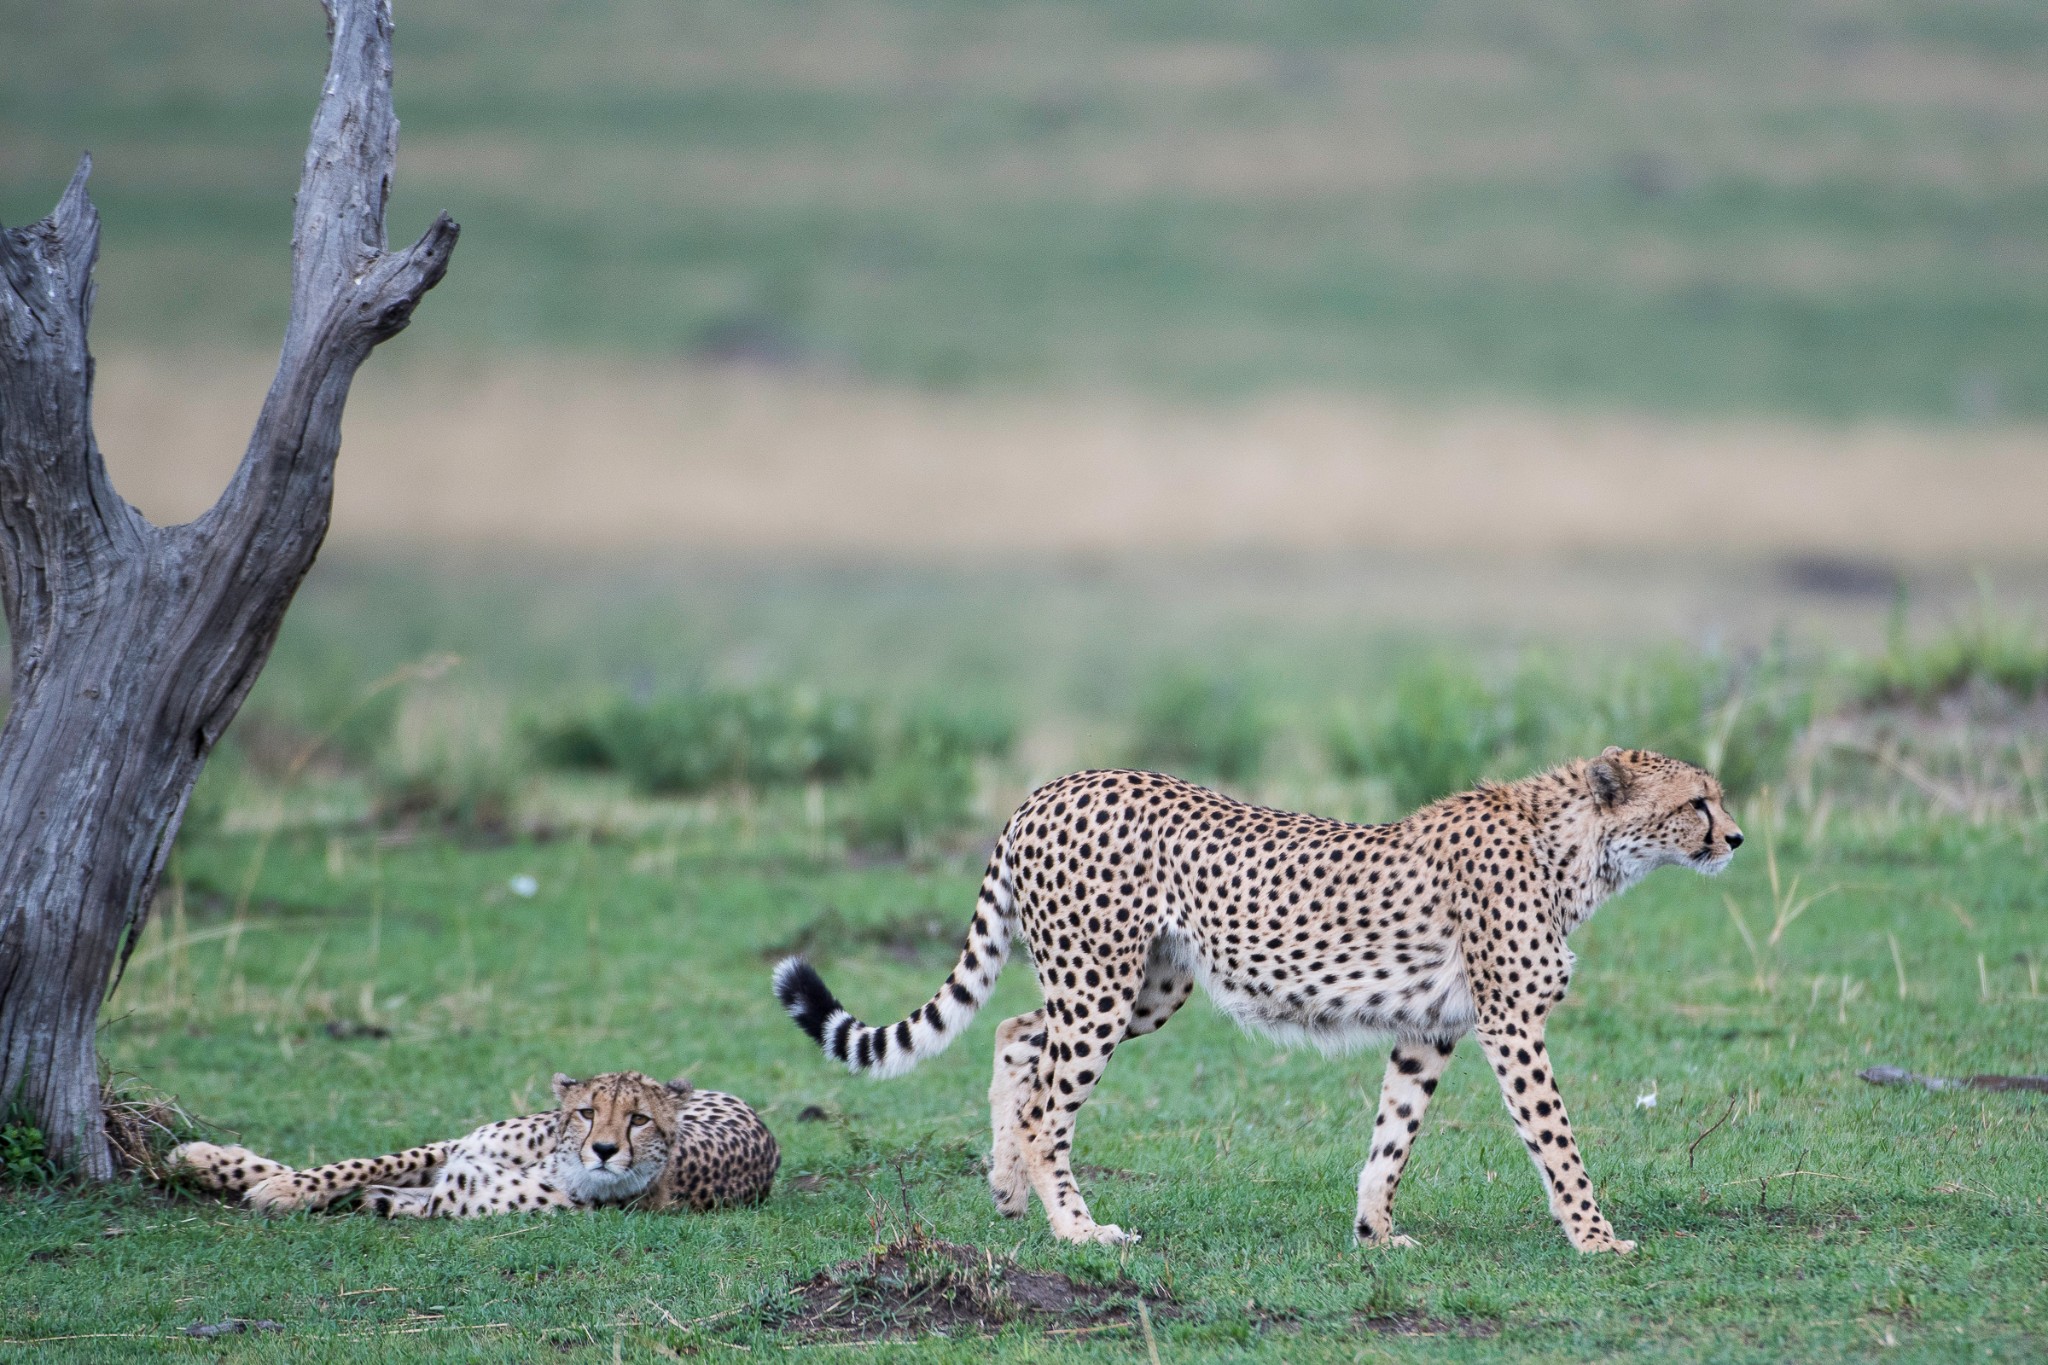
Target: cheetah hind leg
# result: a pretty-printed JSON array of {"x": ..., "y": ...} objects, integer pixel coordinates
[
  {"x": 1413, "y": 1069},
  {"x": 1018, "y": 1043},
  {"x": 1068, "y": 1067}
]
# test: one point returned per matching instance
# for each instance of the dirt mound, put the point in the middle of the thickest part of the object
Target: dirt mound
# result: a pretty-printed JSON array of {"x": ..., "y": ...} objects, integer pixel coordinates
[{"x": 919, "y": 1286}]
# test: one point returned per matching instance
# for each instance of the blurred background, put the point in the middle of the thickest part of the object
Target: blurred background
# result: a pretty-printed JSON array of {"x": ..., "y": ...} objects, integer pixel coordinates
[{"x": 1340, "y": 401}]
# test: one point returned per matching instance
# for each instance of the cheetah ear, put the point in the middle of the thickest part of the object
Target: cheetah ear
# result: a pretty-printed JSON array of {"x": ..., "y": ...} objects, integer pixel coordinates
[
  {"x": 681, "y": 1088},
  {"x": 1610, "y": 778},
  {"x": 563, "y": 1080}
]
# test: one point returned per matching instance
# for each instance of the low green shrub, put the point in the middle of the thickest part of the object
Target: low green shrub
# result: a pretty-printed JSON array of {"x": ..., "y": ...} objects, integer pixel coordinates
[
  {"x": 449, "y": 764},
  {"x": 1437, "y": 734},
  {"x": 458, "y": 798},
  {"x": 572, "y": 737},
  {"x": 681, "y": 743},
  {"x": 1443, "y": 728},
  {"x": 973, "y": 729},
  {"x": 1660, "y": 701},
  {"x": 1986, "y": 648},
  {"x": 1202, "y": 725},
  {"x": 923, "y": 787},
  {"x": 695, "y": 741},
  {"x": 912, "y": 774},
  {"x": 24, "y": 1158},
  {"x": 1769, "y": 707},
  {"x": 915, "y": 796}
]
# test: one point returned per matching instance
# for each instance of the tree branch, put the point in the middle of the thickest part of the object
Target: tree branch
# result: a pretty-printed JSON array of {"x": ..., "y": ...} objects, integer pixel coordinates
[
  {"x": 348, "y": 294},
  {"x": 58, "y": 511}
]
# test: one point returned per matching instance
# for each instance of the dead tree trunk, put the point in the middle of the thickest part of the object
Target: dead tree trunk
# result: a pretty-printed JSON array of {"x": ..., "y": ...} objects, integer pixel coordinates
[{"x": 134, "y": 644}]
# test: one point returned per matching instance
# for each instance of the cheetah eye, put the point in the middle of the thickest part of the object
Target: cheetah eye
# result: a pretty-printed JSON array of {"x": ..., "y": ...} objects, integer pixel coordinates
[
  {"x": 636, "y": 1120},
  {"x": 586, "y": 1114},
  {"x": 1699, "y": 803}
]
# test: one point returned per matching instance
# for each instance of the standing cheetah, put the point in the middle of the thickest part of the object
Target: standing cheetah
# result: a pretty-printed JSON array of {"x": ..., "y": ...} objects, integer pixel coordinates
[
  {"x": 1131, "y": 887},
  {"x": 620, "y": 1139}
]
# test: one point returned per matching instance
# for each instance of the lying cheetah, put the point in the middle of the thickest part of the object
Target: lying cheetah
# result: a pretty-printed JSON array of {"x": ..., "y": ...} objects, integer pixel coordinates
[
  {"x": 1131, "y": 887},
  {"x": 618, "y": 1139}
]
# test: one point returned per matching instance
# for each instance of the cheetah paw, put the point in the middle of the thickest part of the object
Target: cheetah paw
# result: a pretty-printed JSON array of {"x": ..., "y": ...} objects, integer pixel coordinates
[
  {"x": 1619, "y": 1246},
  {"x": 1103, "y": 1234},
  {"x": 1391, "y": 1239},
  {"x": 278, "y": 1194},
  {"x": 204, "y": 1162}
]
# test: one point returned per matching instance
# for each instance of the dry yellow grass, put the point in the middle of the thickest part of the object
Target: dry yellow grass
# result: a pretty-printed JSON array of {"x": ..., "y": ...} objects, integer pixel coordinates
[{"x": 584, "y": 454}]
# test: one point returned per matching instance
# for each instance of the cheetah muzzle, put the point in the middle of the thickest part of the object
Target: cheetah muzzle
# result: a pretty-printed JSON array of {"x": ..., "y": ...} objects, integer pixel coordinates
[
  {"x": 1130, "y": 888},
  {"x": 617, "y": 1140}
]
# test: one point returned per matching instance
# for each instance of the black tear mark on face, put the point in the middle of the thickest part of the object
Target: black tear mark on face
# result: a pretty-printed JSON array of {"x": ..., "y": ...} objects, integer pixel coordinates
[{"x": 1699, "y": 803}]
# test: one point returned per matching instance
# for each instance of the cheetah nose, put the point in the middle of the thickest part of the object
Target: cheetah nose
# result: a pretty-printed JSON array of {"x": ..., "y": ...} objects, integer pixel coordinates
[
  {"x": 604, "y": 1150},
  {"x": 1735, "y": 838}
]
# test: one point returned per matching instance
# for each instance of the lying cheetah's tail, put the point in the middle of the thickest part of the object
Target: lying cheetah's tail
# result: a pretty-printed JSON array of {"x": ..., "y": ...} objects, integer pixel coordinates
[{"x": 895, "y": 1048}]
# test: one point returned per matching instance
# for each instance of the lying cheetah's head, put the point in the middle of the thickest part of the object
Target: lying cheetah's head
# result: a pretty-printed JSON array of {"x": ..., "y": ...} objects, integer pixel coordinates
[
  {"x": 616, "y": 1132},
  {"x": 1660, "y": 811}
]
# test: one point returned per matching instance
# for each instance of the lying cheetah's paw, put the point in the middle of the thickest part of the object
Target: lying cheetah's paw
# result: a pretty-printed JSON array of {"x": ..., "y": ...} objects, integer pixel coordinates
[{"x": 279, "y": 1194}]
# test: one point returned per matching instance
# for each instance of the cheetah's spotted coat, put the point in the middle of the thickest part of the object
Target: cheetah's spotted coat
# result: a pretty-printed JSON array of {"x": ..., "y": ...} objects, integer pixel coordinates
[
  {"x": 1132, "y": 887},
  {"x": 617, "y": 1139}
]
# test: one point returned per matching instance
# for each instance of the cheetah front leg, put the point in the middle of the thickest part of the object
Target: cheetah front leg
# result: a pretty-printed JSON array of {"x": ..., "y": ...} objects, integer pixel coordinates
[
  {"x": 1516, "y": 1053},
  {"x": 1412, "y": 1073},
  {"x": 228, "y": 1170}
]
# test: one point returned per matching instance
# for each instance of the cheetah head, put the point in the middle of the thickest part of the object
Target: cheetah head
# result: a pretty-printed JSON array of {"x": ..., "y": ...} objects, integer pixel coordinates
[
  {"x": 616, "y": 1132},
  {"x": 1660, "y": 812}
]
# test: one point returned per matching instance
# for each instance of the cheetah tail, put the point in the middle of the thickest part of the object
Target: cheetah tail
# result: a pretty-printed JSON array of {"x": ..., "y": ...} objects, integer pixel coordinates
[{"x": 896, "y": 1048}]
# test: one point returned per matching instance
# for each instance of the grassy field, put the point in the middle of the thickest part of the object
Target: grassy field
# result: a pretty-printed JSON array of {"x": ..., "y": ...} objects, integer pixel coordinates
[
  {"x": 1030, "y": 385},
  {"x": 1803, "y": 208},
  {"x": 341, "y": 964},
  {"x": 1919, "y": 1223}
]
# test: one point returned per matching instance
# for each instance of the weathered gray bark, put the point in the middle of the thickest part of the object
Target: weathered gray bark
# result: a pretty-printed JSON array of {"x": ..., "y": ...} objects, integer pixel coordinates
[{"x": 134, "y": 644}]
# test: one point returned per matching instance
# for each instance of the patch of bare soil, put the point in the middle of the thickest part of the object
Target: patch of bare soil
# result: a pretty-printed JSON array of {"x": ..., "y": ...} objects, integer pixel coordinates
[
  {"x": 920, "y": 1286},
  {"x": 1423, "y": 1325}
]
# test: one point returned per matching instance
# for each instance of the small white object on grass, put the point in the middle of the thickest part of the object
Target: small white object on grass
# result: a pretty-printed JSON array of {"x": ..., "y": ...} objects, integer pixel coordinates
[
  {"x": 524, "y": 886},
  {"x": 1648, "y": 1099}
]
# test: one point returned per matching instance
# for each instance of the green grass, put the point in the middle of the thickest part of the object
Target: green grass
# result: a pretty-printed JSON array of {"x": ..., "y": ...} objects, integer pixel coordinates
[
  {"x": 1695, "y": 208},
  {"x": 1924, "y": 1218},
  {"x": 1920, "y": 1216}
]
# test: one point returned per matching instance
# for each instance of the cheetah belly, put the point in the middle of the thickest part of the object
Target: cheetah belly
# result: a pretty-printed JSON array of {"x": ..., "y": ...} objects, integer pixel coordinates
[{"x": 1426, "y": 999}]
